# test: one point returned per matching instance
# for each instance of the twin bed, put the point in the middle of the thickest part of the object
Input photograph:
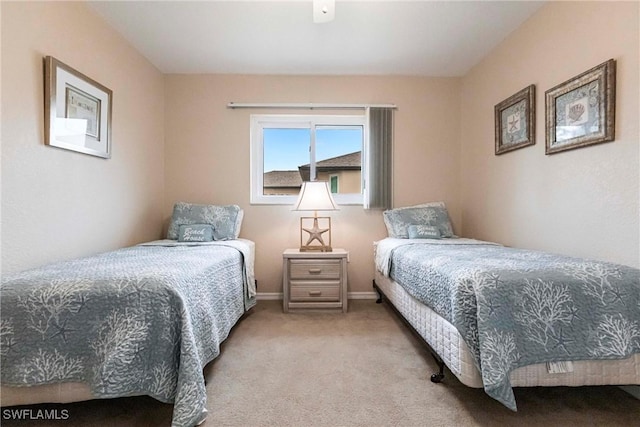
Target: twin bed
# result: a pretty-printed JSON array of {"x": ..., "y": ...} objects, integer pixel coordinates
[
  {"x": 143, "y": 320},
  {"x": 501, "y": 317}
]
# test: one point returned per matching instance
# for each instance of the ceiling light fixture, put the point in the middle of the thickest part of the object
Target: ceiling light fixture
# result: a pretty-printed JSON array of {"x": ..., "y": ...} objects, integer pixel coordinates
[{"x": 323, "y": 11}]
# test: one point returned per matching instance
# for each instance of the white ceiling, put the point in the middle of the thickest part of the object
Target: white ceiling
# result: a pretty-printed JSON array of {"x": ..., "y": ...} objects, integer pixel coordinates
[{"x": 427, "y": 38}]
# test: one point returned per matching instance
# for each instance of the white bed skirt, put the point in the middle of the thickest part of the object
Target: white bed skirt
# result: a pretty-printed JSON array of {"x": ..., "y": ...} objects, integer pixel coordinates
[{"x": 444, "y": 338}]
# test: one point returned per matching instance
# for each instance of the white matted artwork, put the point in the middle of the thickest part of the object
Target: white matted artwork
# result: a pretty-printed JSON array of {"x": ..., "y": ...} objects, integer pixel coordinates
[{"x": 77, "y": 111}]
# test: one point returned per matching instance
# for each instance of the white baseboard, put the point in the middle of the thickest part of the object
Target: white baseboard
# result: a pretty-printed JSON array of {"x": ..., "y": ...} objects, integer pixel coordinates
[
  {"x": 633, "y": 390},
  {"x": 350, "y": 295},
  {"x": 362, "y": 295},
  {"x": 269, "y": 296}
]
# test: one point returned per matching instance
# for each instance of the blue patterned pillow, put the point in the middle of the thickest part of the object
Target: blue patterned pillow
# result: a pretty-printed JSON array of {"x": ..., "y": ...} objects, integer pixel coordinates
[
  {"x": 424, "y": 232},
  {"x": 398, "y": 220},
  {"x": 195, "y": 233},
  {"x": 225, "y": 220}
]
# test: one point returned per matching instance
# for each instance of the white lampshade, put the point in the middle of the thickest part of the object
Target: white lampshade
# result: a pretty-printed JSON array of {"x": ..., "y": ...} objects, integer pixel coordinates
[{"x": 315, "y": 196}]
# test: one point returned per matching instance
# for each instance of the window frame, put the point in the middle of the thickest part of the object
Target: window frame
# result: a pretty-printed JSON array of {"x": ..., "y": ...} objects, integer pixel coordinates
[{"x": 299, "y": 121}]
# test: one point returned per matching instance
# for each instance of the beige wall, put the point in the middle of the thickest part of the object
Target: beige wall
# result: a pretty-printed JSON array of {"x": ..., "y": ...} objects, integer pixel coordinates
[
  {"x": 59, "y": 204},
  {"x": 207, "y": 156},
  {"x": 582, "y": 202}
]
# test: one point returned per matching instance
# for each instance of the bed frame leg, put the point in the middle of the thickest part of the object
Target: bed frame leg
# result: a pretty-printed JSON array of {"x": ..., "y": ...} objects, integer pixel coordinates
[
  {"x": 380, "y": 297},
  {"x": 438, "y": 376}
]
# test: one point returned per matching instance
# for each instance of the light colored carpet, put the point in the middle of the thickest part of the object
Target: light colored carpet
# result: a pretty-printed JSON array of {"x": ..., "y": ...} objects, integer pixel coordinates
[{"x": 363, "y": 368}]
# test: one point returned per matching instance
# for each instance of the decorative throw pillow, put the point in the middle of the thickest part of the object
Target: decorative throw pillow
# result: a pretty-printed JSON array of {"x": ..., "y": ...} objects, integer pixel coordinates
[
  {"x": 225, "y": 220},
  {"x": 195, "y": 233},
  {"x": 435, "y": 214},
  {"x": 424, "y": 232}
]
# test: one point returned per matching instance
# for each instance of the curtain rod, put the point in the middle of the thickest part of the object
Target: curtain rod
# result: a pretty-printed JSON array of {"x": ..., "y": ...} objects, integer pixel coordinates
[{"x": 310, "y": 106}]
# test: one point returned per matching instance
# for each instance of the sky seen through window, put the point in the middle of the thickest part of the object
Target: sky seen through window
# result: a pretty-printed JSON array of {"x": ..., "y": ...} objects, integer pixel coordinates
[{"x": 288, "y": 148}]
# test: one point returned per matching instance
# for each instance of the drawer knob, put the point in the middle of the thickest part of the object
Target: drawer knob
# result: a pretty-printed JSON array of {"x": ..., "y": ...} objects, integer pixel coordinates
[
  {"x": 315, "y": 270},
  {"x": 315, "y": 293}
]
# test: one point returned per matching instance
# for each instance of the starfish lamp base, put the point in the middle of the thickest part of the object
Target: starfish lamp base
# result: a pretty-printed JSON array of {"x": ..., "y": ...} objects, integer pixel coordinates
[{"x": 315, "y": 234}]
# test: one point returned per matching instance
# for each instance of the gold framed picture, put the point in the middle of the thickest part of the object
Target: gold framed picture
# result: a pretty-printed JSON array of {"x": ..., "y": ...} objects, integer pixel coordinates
[
  {"x": 581, "y": 111},
  {"x": 515, "y": 121}
]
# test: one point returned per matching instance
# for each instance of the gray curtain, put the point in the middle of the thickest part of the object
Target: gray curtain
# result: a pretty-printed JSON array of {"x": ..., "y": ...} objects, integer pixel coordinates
[{"x": 380, "y": 155}]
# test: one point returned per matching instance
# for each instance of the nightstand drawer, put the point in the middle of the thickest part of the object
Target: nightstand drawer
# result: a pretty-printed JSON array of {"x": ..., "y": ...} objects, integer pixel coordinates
[
  {"x": 315, "y": 292},
  {"x": 315, "y": 269}
]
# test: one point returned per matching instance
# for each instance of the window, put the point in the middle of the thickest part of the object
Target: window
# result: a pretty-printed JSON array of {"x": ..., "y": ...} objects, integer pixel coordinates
[
  {"x": 334, "y": 183},
  {"x": 289, "y": 149}
]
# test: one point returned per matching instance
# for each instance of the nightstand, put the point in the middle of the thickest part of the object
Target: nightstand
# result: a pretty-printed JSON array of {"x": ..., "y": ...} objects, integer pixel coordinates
[{"x": 314, "y": 279}]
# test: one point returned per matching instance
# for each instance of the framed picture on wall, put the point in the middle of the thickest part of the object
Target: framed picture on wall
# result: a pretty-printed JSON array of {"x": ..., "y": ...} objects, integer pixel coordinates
[
  {"x": 515, "y": 121},
  {"x": 581, "y": 111},
  {"x": 77, "y": 110}
]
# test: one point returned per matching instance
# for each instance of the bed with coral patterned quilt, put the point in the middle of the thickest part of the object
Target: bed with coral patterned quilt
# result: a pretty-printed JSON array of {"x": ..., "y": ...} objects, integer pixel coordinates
[
  {"x": 142, "y": 320},
  {"x": 516, "y": 308}
]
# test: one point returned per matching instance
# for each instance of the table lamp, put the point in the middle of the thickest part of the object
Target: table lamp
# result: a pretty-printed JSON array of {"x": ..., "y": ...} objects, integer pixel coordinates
[{"x": 315, "y": 196}]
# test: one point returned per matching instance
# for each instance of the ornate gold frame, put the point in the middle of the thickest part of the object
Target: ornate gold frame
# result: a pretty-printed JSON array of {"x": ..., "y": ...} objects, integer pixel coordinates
[{"x": 589, "y": 95}]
